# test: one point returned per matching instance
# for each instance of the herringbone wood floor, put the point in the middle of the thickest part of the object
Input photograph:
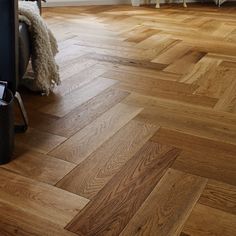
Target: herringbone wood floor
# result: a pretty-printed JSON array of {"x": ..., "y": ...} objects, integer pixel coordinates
[{"x": 140, "y": 138}]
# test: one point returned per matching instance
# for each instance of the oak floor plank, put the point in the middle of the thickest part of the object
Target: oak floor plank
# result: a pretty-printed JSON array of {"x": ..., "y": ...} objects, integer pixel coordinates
[
  {"x": 185, "y": 63},
  {"x": 39, "y": 167},
  {"x": 193, "y": 143},
  {"x": 86, "y": 113},
  {"x": 16, "y": 221},
  {"x": 125, "y": 193},
  {"x": 148, "y": 82},
  {"x": 172, "y": 53},
  {"x": 113, "y": 52},
  {"x": 68, "y": 55},
  {"x": 139, "y": 34},
  {"x": 39, "y": 141},
  {"x": 79, "y": 79},
  {"x": 88, "y": 178},
  {"x": 216, "y": 82},
  {"x": 83, "y": 143},
  {"x": 185, "y": 96},
  {"x": 139, "y": 71},
  {"x": 77, "y": 98},
  {"x": 102, "y": 130},
  {"x": 203, "y": 42},
  {"x": 210, "y": 165},
  {"x": 136, "y": 61},
  {"x": 74, "y": 68},
  {"x": 220, "y": 196},
  {"x": 168, "y": 206},
  {"x": 227, "y": 100},
  {"x": 159, "y": 42},
  {"x": 191, "y": 125},
  {"x": 203, "y": 67},
  {"x": 45, "y": 201},
  {"x": 218, "y": 222},
  {"x": 183, "y": 108}
]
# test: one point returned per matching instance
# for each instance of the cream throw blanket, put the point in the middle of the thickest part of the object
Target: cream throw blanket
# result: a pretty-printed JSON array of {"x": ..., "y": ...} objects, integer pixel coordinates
[{"x": 44, "y": 49}]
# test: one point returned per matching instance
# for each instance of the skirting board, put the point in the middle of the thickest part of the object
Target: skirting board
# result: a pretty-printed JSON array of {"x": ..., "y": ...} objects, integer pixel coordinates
[{"x": 54, "y": 3}]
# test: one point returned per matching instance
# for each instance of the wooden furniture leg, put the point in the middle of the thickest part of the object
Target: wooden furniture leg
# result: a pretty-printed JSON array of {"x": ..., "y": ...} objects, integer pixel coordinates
[
  {"x": 158, "y": 4},
  {"x": 184, "y": 3}
]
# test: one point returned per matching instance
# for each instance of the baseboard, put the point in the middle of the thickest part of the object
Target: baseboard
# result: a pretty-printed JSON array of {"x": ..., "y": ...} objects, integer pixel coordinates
[{"x": 55, "y": 3}]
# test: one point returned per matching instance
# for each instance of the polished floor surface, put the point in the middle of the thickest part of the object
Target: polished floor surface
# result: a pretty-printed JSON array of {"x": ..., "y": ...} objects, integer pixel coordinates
[{"x": 140, "y": 138}]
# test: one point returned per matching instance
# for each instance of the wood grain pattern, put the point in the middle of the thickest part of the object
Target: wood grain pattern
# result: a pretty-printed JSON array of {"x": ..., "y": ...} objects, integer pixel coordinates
[
  {"x": 168, "y": 206},
  {"x": 185, "y": 63},
  {"x": 218, "y": 222},
  {"x": 190, "y": 125},
  {"x": 45, "y": 201},
  {"x": 203, "y": 67},
  {"x": 79, "y": 79},
  {"x": 211, "y": 165},
  {"x": 78, "y": 97},
  {"x": 143, "y": 91},
  {"x": 147, "y": 82},
  {"x": 227, "y": 100},
  {"x": 185, "y": 97},
  {"x": 39, "y": 141},
  {"x": 88, "y": 112},
  {"x": 88, "y": 178},
  {"x": 82, "y": 144},
  {"x": 193, "y": 143},
  {"x": 12, "y": 223},
  {"x": 125, "y": 193},
  {"x": 175, "y": 52},
  {"x": 40, "y": 167},
  {"x": 216, "y": 81},
  {"x": 184, "y": 108},
  {"x": 220, "y": 196}
]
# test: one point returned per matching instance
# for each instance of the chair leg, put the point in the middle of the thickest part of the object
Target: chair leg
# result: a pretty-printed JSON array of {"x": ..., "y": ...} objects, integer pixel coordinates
[
  {"x": 158, "y": 4},
  {"x": 184, "y": 3},
  {"x": 21, "y": 128}
]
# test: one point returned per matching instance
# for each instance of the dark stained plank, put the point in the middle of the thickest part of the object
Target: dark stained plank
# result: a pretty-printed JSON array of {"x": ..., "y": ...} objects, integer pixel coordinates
[
  {"x": 88, "y": 178},
  {"x": 220, "y": 196},
  {"x": 113, "y": 207},
  {"x": 168, "y": 206}
]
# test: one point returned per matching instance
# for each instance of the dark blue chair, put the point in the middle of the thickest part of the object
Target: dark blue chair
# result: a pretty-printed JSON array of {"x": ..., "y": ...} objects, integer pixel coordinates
[{"x": 15, "y": 51}]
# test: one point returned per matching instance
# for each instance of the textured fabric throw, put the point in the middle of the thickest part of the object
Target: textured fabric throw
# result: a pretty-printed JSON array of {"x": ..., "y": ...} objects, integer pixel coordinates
[{"x": 44, "y": 50}]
